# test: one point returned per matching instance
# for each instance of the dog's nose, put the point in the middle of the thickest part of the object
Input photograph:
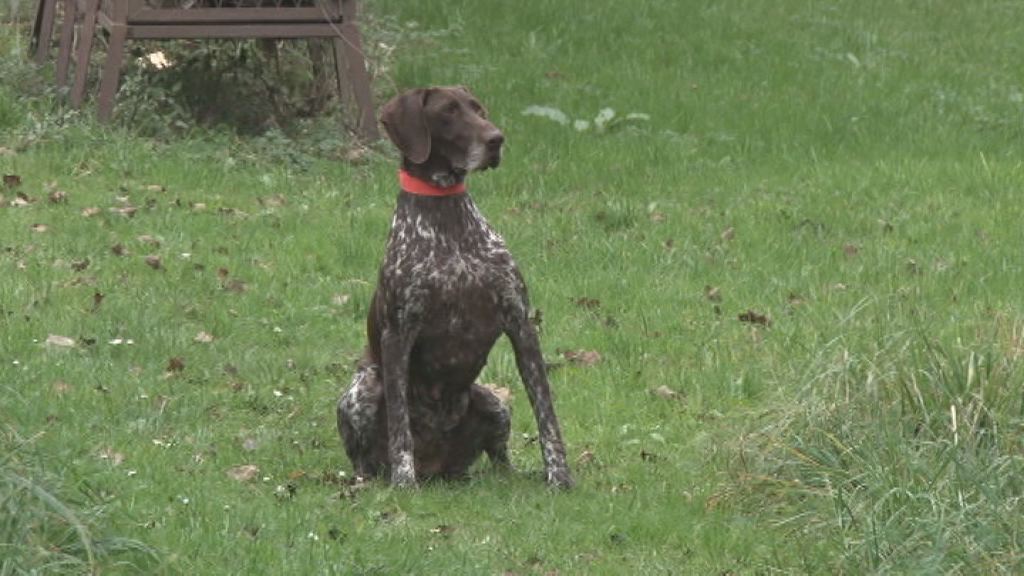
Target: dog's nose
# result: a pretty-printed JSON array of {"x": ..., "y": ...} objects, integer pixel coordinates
[{"x": 496, "y": 140}]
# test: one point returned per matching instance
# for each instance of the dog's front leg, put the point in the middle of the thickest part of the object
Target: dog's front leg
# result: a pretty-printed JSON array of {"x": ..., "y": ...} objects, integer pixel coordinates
[
  {"x": 395, "y": 348},
  {"x": 530, "y": 362}
]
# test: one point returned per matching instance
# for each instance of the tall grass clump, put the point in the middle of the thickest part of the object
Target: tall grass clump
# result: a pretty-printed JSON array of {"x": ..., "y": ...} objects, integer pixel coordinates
[
  {"x": 43, "y": 530},
  {"x": 903, "y": 459}
]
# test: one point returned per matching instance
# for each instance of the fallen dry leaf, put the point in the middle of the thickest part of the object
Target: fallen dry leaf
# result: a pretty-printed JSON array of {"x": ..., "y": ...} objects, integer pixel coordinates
[
  {"x": 90, "y": 211},
  {"x": 503, "y": 394},
  {"x": 58, "y": 197},
  {"x": 60, "y": 341},
  {"x": 113, "y": 456},
  {"x": 356, "y": 155},
  {"x": 666, "y": 393},
  {"x": 40, "y": 227},
  {"x": 97, "y": 299},
  {"x": 728, "y": 234},
  {"x": 175, "y": 364},
  {"x": 243, "y": 473},
  {"x": 127, "y": 211},
  {"x": 442, "y": 529},
  {"x": 12, "y": 180},
  {"x": 850, "y": 250},
  {"x": 582, "y": 357},
  {"x": 235, "y": 285},
  {"x": 154, "y": 262},
  {"x": 119, "y": 249},
  {"x": 79, "y": 265},
  {"x": 712, "y": 293},
  {"x": 752, "y": 317},
  {"x": 156, "y": 188},
  {"x": 275, "y": 201},
  {"x": 586, "y": 457},
  {"x": 150, "y": 240},
  {"x": 5, "y": 151},
  {"x": 586, "y": 302},
  {"x": 203, "y": 337}
]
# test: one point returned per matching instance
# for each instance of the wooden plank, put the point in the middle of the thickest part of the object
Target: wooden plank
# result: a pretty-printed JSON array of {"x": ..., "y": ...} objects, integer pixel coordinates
[
  {"x": 233, "y": 15},
  {"x": 286, "y": 30}
]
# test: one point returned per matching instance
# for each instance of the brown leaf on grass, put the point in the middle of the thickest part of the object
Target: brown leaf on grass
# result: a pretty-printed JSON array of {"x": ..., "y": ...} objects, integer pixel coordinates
[
  {"x": 648, "y": 456},
  {"x": 235, "y": 285},
  {"x": 12, "y": 180},
  {"x": 752, "y": 317},
  {"x": 58, "y": 197},
  {"x": 443, "y": 529},
  {"x": 503, "y": 394},
  {"x": 79, "y": 265},
  {"x": 155, "y": 188},
  {"x": 5, "y": 151},
  {"x": 275, "y": 201},
  {"x": 175, "y": 364},
  {"x": 126, "y": 211},
  {"x": 197, "y": 206},
  {"x": 119, "y": 249},
  {"x": 585, "y": 458},
  {"x": 111, "y": 455},
  {"x": 222, "y": 273},
  {"x": 40, "y": 228},
  {"x": 357, "y": 155},
  {"x": 586, "y": 302},
  {"x": 850, "y": 250},
  {"x": 149, "y": 240},
  {"x": 582, "y": 357},
  {"x": 97, "y": 299},
  {"x": 656, "y": 216},
  {"x": 243, "y": 473},
  {"x": 21, "y": 200},
  {"x": 203, "y": 337},
  {"x": 57, "y": 341},
  {"x": 90, "y": 212},
  {"x": 666, "y": 393},
  {"x": 340, "y": 299},
  {"x": 728, "y": 234},
  {"x": 794, "y": 299},
  {"x": 154, "y": 262},
  {"x": 712, "y": 293}
]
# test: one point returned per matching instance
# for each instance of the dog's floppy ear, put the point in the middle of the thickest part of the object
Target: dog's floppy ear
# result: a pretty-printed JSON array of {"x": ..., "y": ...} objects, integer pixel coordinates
[{"x": 406, "y": 125}]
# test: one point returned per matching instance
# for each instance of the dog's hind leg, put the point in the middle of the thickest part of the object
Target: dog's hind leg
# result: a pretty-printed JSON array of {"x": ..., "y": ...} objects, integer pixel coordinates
[{"x": 360, "y": 425}]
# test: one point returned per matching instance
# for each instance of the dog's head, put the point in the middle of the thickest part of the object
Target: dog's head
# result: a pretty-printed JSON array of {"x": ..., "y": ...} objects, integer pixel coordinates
[{"x": 443, "y": 133}]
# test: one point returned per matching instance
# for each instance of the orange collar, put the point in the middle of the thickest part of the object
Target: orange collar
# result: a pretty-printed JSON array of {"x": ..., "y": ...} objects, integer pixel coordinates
[{"x": 414, "y": 185}]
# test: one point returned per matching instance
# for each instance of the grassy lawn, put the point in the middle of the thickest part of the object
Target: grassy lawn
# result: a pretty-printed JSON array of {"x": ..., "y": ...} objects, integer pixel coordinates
[{"x": 801, "y": 271}]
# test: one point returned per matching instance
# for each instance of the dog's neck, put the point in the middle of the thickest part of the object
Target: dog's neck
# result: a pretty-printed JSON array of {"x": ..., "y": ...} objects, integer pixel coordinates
[
  {"x": 420, "y": 187},
  {"x": 436, "y": 170}
]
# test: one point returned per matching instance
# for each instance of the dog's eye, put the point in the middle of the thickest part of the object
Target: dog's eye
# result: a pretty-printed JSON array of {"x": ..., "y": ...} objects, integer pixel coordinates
[{"x": 476, "y": 107}]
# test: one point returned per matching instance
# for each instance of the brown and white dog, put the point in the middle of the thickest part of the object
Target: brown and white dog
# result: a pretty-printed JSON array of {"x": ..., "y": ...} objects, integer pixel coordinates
[{"x": 448, "y": 288}]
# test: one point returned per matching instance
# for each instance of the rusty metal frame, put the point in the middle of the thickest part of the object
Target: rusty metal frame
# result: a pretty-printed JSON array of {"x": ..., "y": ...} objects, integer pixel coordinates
[{"x": 125, "y": 20}]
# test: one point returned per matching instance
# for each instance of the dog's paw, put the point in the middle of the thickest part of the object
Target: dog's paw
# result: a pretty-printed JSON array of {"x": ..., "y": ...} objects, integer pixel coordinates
[
  {"x": 404, "y": 475},
  {"x": 560, "y": 478},
  {"x": 403, "y": 481}
]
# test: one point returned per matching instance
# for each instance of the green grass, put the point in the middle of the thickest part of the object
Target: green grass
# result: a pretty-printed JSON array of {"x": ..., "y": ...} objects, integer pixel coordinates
[{"x": 849, "y": 169}]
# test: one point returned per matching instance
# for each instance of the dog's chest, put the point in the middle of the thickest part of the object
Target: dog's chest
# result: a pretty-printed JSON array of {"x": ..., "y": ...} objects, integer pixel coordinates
[{"x": 444, "y": 258}]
